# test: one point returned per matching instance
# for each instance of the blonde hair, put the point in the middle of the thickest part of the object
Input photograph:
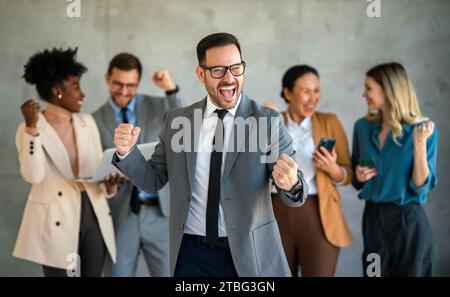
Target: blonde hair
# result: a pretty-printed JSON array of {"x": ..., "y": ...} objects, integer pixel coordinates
[{"x": 401, "y": 99}]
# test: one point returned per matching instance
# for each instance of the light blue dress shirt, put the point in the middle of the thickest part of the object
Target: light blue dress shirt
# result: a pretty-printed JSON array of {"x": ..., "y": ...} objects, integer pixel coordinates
[{"x": 394, "y": 164}]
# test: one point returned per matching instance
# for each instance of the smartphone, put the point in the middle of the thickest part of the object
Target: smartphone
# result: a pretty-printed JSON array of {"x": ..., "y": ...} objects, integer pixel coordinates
[
  {"x": 369, "y": 162},
  {"x": 328, "y": 143}
]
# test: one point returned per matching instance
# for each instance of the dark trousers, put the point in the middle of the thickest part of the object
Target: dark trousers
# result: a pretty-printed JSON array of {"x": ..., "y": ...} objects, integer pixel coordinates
[
  {"x": 401, "y": 236},
  {"x": 91, "y": 247},
  {"x": 197, "y": 259}
]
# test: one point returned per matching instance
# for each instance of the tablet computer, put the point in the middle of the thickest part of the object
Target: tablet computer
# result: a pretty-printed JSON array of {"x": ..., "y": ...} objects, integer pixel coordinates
[{"x": 106, "y": 168}]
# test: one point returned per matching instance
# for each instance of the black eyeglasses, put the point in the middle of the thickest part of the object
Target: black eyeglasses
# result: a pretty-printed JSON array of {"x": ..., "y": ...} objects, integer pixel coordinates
[
  {"x": 118, "y": 86},
  {"x": 220, "y": 71}
]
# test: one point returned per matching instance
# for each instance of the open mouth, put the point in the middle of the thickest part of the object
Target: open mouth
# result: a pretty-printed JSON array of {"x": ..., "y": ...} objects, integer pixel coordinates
[
  {"x": 309, "y": 108},
  {"x": 227, "y": 92},
  {"x": 121, "y": 98}
]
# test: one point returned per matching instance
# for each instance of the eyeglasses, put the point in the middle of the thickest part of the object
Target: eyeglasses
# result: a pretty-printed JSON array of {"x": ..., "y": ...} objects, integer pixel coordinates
[
  {"x": 220, "y": 71},
  {"x": 119, "y": 86}
]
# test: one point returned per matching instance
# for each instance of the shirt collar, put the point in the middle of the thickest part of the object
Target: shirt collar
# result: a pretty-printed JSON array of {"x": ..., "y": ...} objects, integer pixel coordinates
[
  {"x": 117, "y": 109},
  {"x": 211, "y": 107},
  {"x": 306, "y": 124},
  {"x": 377, "y": 126},
  {"x": 405, "y": 126}
]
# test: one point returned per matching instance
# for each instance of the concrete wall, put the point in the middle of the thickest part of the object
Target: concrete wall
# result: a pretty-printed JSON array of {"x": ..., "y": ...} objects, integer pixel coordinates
[{"x": 337, "y": 37}]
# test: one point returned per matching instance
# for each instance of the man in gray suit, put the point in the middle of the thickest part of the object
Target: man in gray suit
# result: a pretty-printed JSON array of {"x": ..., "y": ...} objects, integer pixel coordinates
[
  {"x": 140, "y": 218},
  {"x": 222, "y": 221}
]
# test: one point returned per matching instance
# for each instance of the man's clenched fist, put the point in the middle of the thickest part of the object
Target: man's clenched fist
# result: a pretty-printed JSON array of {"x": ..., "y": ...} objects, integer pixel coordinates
[
  {"x": 163, "y": 80},
  {"x": 125, "y": 138},
  {"x": 285, "y": 173}
]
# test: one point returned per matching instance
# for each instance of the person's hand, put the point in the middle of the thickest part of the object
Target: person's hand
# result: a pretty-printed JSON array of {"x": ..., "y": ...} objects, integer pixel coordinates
[
  {"x": 163, "y": 80},
  {"x": 423, "y": 131},
  {"x": 125, "y": 138},
  {"x": 325, "y": 161},
  {"x": 285, "y": 173},
  {"x": 272, "y": 106},
  {"x": 111, "y": 181},
  {"x": 364, "y": 173},
  {"x": 30, "y": 111}
]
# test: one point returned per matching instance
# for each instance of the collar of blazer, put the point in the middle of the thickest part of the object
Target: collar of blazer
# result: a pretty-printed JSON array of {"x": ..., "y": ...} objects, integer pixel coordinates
[
  {"x": 108, "y": 117},
  {"x": 244, "y": 110},
  {"x": 143, "y": 110},
  {"x": 55, "y": 148}
]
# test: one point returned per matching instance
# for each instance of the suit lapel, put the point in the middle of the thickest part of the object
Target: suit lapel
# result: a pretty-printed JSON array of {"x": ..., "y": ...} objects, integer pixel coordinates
[
  {"x": 55, "y": 148},
  {"x": 318, "y": 129},
  {"x": 142, "y": 117},
  {"x": 84, "y": 154},
  {"x": 108, "y": 117},
  {"x": 191, "y": 157},
  {"x": 244, "y": 111},
  {"x": 318, "y": 133}
]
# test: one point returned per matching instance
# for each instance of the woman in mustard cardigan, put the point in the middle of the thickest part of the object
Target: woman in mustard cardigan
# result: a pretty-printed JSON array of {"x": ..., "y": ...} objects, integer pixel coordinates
[{"x": 313, "y": 234}]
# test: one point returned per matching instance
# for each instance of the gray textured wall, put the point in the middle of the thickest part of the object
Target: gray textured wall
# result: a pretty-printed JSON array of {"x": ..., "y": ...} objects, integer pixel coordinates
[{"x": 335, "y": 36}]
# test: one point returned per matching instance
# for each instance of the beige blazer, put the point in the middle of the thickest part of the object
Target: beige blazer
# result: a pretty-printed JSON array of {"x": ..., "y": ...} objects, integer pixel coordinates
[
  {"x": 50, "y": 225},
  {"x": 327, "y": 125}
]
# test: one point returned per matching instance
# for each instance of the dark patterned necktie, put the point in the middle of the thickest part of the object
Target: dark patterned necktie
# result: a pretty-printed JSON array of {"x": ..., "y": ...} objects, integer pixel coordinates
[{"x": 215, "y": 167}]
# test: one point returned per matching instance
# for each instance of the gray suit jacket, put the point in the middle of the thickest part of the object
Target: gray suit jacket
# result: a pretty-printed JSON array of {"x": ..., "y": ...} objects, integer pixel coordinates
[
  {"x": 252, "y": 230},
  {"x": 151, "y": 113}
]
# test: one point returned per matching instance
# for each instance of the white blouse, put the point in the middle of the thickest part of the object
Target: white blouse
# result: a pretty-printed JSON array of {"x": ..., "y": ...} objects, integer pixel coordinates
[{"x": 303, "y": 143}]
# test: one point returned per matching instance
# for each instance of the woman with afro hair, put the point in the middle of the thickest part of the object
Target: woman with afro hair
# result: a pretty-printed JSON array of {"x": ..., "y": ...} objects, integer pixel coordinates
[{"x": 66, "y": 226}]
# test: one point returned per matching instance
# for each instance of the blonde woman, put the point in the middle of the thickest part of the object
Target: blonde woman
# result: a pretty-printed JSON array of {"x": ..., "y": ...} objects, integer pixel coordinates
[
  {"x": 394, "y": 155},
  {"x": 65, "y": 222},
  {"x": 313, "y": 234}
]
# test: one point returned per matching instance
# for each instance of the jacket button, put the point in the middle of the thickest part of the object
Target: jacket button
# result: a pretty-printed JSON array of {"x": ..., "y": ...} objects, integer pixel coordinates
[
  {"x": 59, "y": 193},
  {"x": 57, "y": 223}
]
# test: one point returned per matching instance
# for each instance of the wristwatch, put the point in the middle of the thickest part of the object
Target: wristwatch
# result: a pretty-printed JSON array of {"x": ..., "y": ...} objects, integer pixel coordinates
[
  {"x": 170, "y": 92},
  {"x": 296, "y": 187}
]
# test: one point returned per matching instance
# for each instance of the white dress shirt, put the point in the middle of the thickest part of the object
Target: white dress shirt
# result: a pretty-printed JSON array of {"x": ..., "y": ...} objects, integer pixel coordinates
[
  {"x": 303, "y": 143},
  {"x": 196, "y": 220}
]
